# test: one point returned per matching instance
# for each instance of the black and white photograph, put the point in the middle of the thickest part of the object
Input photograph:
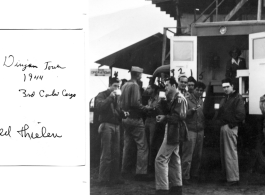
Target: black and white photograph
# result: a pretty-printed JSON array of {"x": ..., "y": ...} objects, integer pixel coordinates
[{"x": 176, "y": 97}]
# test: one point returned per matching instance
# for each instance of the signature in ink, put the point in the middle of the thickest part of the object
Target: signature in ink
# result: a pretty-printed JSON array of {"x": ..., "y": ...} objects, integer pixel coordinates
[
  {"x": 44, "y": 134},
  {"x": 10, "y": 61}
]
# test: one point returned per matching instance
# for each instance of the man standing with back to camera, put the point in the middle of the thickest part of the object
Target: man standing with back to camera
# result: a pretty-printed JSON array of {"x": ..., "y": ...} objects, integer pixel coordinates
[
  {"x": 134, "y": 129},
  {"x": 230, "y": 114}
]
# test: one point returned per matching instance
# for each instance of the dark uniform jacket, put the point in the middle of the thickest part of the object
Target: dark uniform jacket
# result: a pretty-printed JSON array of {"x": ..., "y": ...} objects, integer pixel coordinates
[
  {"x": 175, "y": 111},
  {"x": 232, "y": 110},
  {"x": 108, "y": 108}
]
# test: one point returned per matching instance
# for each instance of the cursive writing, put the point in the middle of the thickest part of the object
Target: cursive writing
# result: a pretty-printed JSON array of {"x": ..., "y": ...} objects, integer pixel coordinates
[
  {"x": 71, "y": 95},
  {"x": 5, "y": 133},
  {"x": 24, "y": 92},
  {"x": 23, "y": 133},
  {"x": 49, "y": 67},
  {"x": 43, "y": 93},
  {"x": 10, "y": 61}
]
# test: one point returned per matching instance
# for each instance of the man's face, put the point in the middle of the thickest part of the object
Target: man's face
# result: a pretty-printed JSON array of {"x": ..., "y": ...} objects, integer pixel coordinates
[
  {"x": 139, "y": 77},
  {"x": 228, "y": 88},
  {"x": 149, "y": 90},
  {"x": 114, "y": 86},
  {"x": 191, "y": 86},
  {"x": 183, "y": 83},
  {"x": 169, "y": 88},
  {"x": 198, "y": 91}
]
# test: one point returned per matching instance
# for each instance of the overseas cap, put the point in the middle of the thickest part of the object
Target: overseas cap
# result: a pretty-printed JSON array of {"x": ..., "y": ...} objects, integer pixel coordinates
[{"x": 137, "y": 69}]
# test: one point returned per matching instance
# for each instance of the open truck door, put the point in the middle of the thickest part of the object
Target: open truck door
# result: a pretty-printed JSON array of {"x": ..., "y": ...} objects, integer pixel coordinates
[
  {"x": 183, "y": 55},
  {"x": 257, "y": 84},
  {"x": 256, "y": 71}
]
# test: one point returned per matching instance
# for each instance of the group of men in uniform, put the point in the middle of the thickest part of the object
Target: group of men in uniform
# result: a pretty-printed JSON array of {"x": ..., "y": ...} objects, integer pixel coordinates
[{"x": 182, "y": 114}]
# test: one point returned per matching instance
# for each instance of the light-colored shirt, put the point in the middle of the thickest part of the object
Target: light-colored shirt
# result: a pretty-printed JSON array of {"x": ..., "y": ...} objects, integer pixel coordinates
[{"x": 236, "y": 62}]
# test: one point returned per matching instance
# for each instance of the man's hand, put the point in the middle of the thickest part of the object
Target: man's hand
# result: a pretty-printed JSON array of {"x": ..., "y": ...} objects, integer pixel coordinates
[
  {"x": 126, "y": 114},
  {"x": 112, "y": 94},
  {"x": 196, "y": 108},
  {"x": 160, "y": 118}
]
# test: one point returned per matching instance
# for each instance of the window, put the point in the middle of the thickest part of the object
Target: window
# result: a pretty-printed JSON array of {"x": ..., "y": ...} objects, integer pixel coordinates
[
  {"x": 183, "y": 51},
  {"x": 259, "y": 48}
]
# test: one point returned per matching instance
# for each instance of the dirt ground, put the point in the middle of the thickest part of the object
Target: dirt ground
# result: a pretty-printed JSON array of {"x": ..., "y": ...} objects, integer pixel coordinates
[
  {"x": 252, "y": 179},
  {"x": 253, "y": 184}
]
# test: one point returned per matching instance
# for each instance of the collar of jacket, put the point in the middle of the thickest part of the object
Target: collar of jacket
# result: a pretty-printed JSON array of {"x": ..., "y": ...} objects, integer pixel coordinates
[
  {"x": 236, "y": 62},
  {"x": 179, "y": 95},
  {"x": 132, "y": 81},
  {"x": 233, "y": 94},
  {"x": 108, "y": 91}
]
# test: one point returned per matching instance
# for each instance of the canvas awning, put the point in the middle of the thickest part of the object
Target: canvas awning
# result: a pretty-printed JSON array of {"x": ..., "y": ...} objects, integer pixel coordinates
[{"x": 146, "y": 54}]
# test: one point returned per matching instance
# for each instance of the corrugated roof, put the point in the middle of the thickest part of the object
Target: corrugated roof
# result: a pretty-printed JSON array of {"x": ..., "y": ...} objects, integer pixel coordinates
[{"x": 146, "y": 54}]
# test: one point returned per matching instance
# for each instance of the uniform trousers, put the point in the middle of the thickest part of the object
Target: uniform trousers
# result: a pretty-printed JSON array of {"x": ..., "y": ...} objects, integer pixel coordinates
[
  {"x": 134, "y": 132},
  {"x": 192, "y": 154},
  {"x": 168, "y": 165},
  {"x": 109, "y": 169},
  {"x": 229, "y": 157},
  {"x": 150, "y": 127}
]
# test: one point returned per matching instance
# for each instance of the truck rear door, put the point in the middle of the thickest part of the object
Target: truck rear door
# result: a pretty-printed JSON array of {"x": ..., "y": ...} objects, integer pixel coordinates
[
  {"x": 256, "y": 71},
  {"x": 183, "y": 55}
]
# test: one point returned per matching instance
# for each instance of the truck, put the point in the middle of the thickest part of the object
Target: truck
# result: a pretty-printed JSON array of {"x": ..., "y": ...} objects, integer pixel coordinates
[{"x": 204, "y": 54}]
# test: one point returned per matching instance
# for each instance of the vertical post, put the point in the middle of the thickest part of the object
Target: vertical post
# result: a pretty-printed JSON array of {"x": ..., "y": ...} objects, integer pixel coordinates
[
  {"x": 259, "y": 10},
  {"x": 110, "y": 75},
  {"x": 195, "y": 7},
  {"x": 164, "y": 46},
  {"x": 178, "y": 18},
  {"x": 240, "y": 85},
  {"x": 216, "y": 17}
]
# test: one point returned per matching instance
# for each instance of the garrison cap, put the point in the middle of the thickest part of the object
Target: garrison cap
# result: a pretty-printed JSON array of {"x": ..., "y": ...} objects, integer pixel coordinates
[{"x": 137, "y": 69}]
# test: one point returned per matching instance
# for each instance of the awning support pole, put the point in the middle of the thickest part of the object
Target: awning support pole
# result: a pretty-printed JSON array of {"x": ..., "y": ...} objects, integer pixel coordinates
[
  {"x": 178, "y": 18},
  {"x": 259, "y": 10},
  {"x": 164, "y": 46},
  {"x": 216, "y": 19}
]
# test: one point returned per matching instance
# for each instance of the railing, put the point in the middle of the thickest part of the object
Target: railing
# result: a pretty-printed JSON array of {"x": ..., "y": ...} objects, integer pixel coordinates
[{"x": 215, "y": 9}]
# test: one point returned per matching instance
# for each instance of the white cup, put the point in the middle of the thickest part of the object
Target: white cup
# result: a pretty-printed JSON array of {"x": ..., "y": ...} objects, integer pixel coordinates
[
  {"x": 216, "y": 106},
  {"x": 162, "y": 94},
  {"x": 118, "y": 92}
]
